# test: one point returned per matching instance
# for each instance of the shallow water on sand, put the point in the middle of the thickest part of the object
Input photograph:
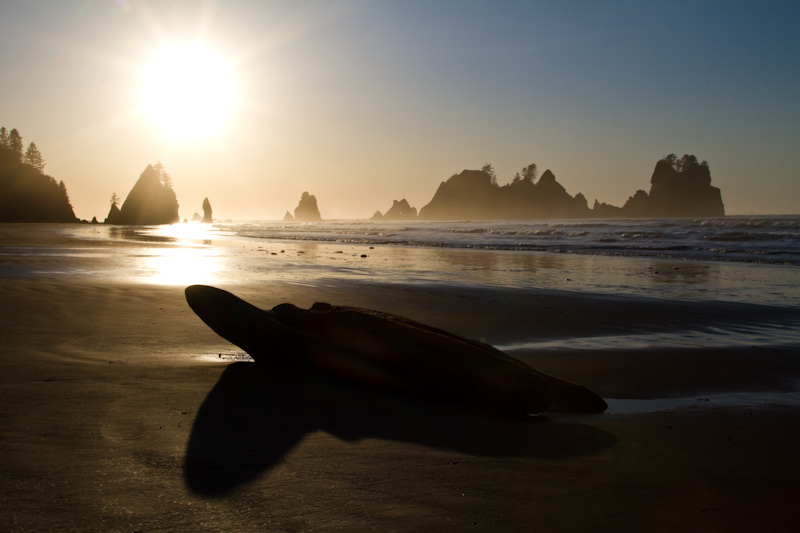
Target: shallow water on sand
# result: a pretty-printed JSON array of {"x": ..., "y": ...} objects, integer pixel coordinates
[
  {"x": 709, "y": 337},
  {"x": 771, "y": 399},
  {"x": 183, "y": 254}
]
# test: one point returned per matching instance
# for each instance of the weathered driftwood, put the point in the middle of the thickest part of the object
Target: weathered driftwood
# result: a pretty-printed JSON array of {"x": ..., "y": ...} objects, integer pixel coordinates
[{"x": 373, "y": 350}]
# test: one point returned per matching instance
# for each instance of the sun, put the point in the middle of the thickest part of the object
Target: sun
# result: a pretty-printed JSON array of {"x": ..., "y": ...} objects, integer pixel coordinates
[{"x": 188, "y": 91}]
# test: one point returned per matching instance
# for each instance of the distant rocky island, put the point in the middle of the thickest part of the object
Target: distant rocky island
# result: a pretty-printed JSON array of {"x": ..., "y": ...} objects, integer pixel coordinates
[
  {"x": 306, "y": 210},
  {"x": 679, "y": 187},
  {"x": 27, "y": 194},
  {"x": 400, "y": 210}
]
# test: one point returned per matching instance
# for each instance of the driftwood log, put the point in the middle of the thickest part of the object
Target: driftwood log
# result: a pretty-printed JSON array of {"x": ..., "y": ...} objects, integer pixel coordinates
[{"x": 377, "y": 351}]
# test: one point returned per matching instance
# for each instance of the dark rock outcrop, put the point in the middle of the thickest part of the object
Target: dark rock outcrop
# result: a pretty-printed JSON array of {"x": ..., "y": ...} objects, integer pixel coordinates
[
  {"x": 604, "y": 210},
  {"x": 307, "y": 210},
  {"x": 288, "y": 217},
  {"x": 678, "y": 188},
  {"x": 473, "y": 195},
  {"x": 207, "y": 214},
  {"x": 150, "y": 201},
  {"x": 197, "y": 217},
  {"x": 400, "y": 210},
  {"x": 470, "y": 194},
  {"x": 113, "y": 215},
  {"x": 29, "y": 195}
]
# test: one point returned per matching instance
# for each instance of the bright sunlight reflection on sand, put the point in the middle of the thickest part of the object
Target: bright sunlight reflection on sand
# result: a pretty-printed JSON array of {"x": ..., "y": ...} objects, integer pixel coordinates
[
  {"x": 181, "y": 266},
  {"x": 188, "y": 261},
  {"x": 188, "y": 91}
]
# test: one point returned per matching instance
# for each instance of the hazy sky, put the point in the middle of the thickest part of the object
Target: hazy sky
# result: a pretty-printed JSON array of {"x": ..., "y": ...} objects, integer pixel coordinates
[{"x": 360, "y": 103}]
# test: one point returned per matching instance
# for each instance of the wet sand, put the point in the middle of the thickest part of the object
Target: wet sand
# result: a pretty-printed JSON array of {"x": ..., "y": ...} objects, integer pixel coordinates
[{"x": 118, "y": 414}]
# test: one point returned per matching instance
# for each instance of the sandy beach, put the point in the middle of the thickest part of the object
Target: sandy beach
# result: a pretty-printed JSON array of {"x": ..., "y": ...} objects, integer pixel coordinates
[{"x": 121, "y": 411}]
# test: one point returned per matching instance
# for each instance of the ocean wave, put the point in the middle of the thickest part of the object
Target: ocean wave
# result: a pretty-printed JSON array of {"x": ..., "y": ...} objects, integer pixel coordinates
[
  {"x": 738, "y": 239},
  {"x": 742, "y": 236}
]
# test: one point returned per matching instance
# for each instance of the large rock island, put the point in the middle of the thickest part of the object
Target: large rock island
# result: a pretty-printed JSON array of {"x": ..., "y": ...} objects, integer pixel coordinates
[
  {"x": 679, "y": 188},
  {"x": 307, "y": 210},
  {"x": 474, "y": 194},
  {"x": 151, "y": 201}
]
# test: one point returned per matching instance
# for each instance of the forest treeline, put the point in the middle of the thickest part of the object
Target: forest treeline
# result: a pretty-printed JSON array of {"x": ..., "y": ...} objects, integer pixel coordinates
[{"x": 27, "y": 194}]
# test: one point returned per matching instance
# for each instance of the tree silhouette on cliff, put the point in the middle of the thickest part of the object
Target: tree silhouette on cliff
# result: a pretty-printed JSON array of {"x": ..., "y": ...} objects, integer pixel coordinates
[{"x": 26, "y": 193}]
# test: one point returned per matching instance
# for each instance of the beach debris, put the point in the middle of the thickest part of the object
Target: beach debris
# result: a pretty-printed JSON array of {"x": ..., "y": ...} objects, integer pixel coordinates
[{"x": 372, "y": 350}]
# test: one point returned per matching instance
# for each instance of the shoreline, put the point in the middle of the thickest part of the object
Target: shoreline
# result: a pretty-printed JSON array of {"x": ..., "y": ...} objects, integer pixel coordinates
[{"x": 116, "y": 416}]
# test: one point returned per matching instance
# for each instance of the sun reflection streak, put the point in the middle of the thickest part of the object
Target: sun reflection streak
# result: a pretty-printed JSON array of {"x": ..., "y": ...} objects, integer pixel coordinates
[
  {"x": 189, "y": 258},
  {"x": 181, "y": 266}
]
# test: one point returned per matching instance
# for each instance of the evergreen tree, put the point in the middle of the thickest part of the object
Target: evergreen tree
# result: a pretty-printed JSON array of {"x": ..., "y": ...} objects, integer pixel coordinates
[
  {"x": 166, "y": 179},
  {"x": 33, "y": 157},
  {"x": 63, "y": 188},
  {"x": 530, "y": 172},
  {"x": 489, "y": 169},
  {"x": 114, "y": 200},
  {"x": 671, "y": 160},
  {"x": 15, "y": 143},
  {"x": 3, "y": 137},
  {"x": 687, "y": 162}
]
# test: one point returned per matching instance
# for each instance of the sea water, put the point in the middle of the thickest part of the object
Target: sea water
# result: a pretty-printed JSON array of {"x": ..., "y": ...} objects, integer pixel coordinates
[
  {"x": 747, "y": 260},
  {"x": 773, "y": 240},
  {"x": 734, "y": 259}
]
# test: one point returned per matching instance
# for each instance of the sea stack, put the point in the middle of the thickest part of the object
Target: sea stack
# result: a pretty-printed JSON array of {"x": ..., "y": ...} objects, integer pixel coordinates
[
  {"x": 207, "y": 211},
  {"x": 307, "y": 210},
  {"x": 150, "y": 201}
]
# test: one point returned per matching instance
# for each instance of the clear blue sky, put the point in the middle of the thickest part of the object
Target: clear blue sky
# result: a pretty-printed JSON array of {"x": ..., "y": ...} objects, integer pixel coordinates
[{"x": 361, "y": 103}]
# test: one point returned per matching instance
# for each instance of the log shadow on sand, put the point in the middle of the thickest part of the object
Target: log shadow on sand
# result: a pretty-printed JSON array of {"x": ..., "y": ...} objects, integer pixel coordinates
[{"x": 254, "y": 416}]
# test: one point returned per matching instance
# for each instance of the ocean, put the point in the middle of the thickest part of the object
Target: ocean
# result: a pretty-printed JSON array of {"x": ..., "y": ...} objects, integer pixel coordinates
[
  {"x": 742, "y": 259},
  {"x": 731, "y": 261},
  {"x": 773, "y": 240}
]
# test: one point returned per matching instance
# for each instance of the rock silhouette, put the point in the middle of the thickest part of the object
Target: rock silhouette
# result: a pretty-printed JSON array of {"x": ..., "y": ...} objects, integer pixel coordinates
[
  {"x": 400, "y": 210},
  {"x": 679, "y": 188},
  {"x": 207, "y": 214},
  {"x": 473, "y": 194},
  {"x": 150, "y": 201},
  {"x": 113, "y": 215},
  {"x": 307, "y": 210}
]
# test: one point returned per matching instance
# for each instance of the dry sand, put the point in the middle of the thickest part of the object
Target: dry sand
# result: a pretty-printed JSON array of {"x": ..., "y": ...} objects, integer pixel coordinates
[{"x": 101, "y": 383}]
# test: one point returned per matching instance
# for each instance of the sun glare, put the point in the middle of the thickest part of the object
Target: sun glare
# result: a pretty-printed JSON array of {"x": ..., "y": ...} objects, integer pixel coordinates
[{"x": 188, "y": 92}]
